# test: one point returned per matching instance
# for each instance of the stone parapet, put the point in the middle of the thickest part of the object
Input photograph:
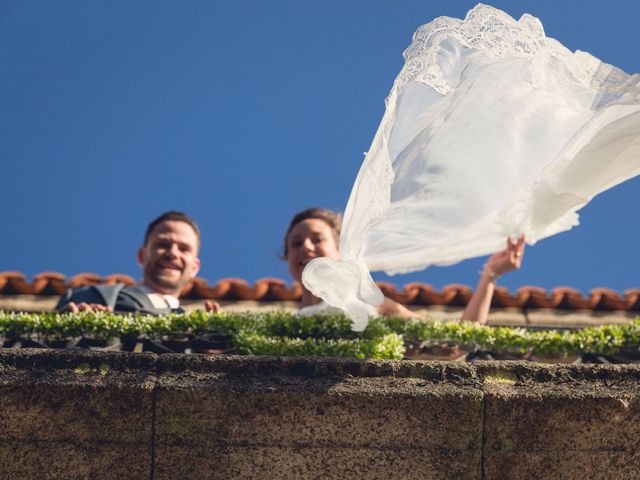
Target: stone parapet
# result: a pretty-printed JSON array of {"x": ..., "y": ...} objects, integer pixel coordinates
[{"x": 113, "y": 415}]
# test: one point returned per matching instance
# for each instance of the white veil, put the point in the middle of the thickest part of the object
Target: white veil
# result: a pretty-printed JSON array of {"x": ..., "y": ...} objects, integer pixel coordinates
[{"x": 490, "y": 129}]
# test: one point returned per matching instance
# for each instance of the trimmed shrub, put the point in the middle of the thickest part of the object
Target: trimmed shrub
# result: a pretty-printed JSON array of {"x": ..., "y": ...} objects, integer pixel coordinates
[{"x": 284, "y": 334}]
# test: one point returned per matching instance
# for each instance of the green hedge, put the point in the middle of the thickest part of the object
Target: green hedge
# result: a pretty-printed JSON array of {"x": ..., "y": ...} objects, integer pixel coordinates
[{"x": 279, "y": 333}]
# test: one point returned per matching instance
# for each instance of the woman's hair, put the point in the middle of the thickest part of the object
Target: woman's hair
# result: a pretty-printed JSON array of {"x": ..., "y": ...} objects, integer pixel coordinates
[{"x": 331, "y": 218}]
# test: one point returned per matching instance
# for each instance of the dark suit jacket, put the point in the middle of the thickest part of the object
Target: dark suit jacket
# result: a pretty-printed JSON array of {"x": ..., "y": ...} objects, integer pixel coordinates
[{"x": 121, "y": 298}]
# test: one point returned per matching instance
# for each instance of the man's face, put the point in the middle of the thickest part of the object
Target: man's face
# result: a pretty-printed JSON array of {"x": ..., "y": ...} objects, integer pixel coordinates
[{"x": 169, "y": 259}]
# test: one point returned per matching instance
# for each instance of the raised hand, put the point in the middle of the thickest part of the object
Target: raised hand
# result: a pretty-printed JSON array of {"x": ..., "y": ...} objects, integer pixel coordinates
[{"x": 507, "y": 260}]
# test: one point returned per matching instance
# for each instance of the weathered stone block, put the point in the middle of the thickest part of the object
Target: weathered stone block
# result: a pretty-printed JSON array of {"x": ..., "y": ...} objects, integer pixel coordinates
[
  {"x": 67, "y": 459},
  {"x": 340, "y": 419},
  {"x": 562, "y": 422},
  {"x": 82, "y": 415},
  {"x": 301, "y": 463}
]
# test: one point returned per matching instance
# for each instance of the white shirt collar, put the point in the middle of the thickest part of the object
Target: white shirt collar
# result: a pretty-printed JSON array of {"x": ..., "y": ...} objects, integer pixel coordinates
[{"x": 160, "y": 300}]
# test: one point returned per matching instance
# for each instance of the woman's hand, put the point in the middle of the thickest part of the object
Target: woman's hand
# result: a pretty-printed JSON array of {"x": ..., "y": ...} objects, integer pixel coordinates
[
  {"x": 506, "y": 261},
  {"x": 212, "y": 307},
  {"x": 498, "y": 264}
]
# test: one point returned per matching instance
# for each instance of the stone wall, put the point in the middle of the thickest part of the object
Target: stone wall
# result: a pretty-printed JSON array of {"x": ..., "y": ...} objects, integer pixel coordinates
[{"x": 118, "y": 415}]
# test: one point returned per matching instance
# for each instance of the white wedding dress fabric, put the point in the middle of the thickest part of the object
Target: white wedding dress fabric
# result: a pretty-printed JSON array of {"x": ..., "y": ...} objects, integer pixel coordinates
[{"x": 491, "y": 129}]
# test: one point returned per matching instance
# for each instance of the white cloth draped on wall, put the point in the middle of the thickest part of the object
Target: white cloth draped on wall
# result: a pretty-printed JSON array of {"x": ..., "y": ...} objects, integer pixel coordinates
[{"x": 491, "y": 129}]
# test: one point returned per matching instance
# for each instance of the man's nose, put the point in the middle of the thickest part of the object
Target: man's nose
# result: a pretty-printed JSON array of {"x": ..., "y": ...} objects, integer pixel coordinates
[{"x": 172, "y": 251}]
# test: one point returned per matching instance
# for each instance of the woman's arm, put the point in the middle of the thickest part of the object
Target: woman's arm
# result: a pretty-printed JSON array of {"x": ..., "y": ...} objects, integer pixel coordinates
[
  {"x": 391, "y": 308},
  {"x": 498, "y": 264},
  {"x": 478, "y": 307}
]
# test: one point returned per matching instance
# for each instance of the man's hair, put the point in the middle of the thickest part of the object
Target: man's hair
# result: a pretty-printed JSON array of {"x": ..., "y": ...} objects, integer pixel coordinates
[
  {"x": 176, "y": 217},
  {"x": 331, "y": 218}
]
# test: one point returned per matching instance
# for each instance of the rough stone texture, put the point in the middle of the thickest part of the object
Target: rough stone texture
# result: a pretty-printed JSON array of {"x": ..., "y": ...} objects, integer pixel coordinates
[
  {"x": 74, "y": 416},
  {"x": 295, "y": 463},
  {"x": 68, "y": 459},
  {"x": 117, "y": 415},
  {"x": 562, "y": 422},
  {"x": 290, "y": 420}
]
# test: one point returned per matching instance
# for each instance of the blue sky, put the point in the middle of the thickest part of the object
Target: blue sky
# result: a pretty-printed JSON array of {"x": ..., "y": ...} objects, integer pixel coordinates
[{"x": 241, "y": 113}]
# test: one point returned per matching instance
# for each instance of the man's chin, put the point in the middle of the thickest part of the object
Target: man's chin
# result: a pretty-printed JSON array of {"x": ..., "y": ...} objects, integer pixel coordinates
[{"x": 168, "y": 283}]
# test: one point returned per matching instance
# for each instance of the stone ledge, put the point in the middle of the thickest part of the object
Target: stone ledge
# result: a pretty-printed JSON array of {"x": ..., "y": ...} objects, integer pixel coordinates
[{"x": 108, "y": 415}]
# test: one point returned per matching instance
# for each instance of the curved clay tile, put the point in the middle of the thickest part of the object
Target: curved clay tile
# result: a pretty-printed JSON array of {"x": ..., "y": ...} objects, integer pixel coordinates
[
  {"x": 458, "y": 295},
  {"x": 607, "y": 299},
  {"x": 49, "y": 283},
  {"x": 633, "y": 298},
  {"x": 15, "y": 283},
  {"x": 275, "y": 289},
  {"x": 240, "y": 289},
  {"x": 84, "y": 279},
  {"x": 279, "y": 291},
  {"x": 534, "y": 297},
  {"x": 261, "y": 288},
  {"x": 430, "y": 296},
  {"x": 412, "y": 292},
  {"x": 502, "y": 298},
  {"x": 569, "y": 298},
  {"x": 265, "y": 289},
  {"x": 119, "y": 278},
  {"x": 406, "y": 297},
  {"x": 201, "y": 289}
]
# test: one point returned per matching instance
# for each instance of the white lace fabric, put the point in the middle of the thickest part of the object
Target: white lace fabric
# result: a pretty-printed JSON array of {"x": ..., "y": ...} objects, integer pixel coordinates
[{"x": 491, "y": 129}]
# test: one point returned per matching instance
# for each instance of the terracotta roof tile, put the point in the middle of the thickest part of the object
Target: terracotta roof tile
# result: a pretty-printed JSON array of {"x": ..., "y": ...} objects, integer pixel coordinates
[
  {"x": 632, "y": 296},
  {"x": 85, "y": 279},
  {"x": 277, "y": 290},
  {"x": 456, "y": 295},
  {"x": 569, "y": 298},
  {"x": 503, "y": 298},
  {"x": 48, "y": 283},
  {"x": 534, "y": 297},
  {"x": 408, "y": 294},
  {"x": 119, "y": 278},
  {"x": 607, "y": 299},
  {"x": 15, "y": 283}
]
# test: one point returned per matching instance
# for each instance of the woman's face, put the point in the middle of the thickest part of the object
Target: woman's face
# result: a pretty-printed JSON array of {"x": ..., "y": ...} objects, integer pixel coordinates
[{"x": 309, "y": 239}]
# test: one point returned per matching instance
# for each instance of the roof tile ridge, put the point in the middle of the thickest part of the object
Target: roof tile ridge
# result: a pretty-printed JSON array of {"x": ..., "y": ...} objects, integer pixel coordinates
[
  {"x": 199, "y": 288},
  {"x": 532, "y": 296},
  {"x": 409, "y": 294},
  {"x": 569, "y": 298},
  {"x": 15, "y": 282},
  {"x": 283, "y": 293},
  {"x": 503, "y": 298},
  {"x": 85, "y": 279},
  {"x": 608, "y": 299},
  {"x": 632, "y": 295},
  {"x": 49, "y": 283},
  {"x": 457, "y": 294}
]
